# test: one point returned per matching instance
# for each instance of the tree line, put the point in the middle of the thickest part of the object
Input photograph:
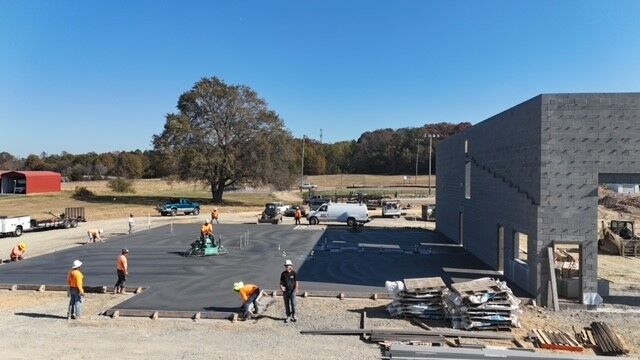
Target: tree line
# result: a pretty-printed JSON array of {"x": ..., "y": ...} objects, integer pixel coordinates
[{"x": 225, "y": 135}]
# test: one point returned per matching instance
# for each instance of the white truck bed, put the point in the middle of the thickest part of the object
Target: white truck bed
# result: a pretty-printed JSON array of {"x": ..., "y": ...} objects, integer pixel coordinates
[{"x": 14, "y": 225}]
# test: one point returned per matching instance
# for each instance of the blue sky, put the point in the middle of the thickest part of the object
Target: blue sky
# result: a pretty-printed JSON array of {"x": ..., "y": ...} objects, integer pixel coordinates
[{"x": 97, "y": 76}]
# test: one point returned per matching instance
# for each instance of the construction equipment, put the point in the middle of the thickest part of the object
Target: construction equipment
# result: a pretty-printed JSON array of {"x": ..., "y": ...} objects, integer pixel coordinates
[
  {"x": 206, "y": 246},
  {"x": 619, "y": 238},
  {"x": 271, "y": 214}
]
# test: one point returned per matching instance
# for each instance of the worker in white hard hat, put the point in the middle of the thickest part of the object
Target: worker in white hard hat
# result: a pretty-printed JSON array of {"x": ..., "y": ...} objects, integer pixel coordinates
[
  {"x": 250, "y": 295},
  {"x": 289, "y": 287},
  {"x": 75, "y": 279},
  {"x": 215, "y": 215},
  {"x": 94, "y": 235}
]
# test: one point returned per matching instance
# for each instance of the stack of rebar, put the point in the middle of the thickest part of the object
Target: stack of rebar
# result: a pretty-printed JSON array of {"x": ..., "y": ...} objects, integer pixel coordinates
[
  {"x": 608, "y": 342},
  {"x": 482, "y": 304},
  {"x": 421, "y": 298}
]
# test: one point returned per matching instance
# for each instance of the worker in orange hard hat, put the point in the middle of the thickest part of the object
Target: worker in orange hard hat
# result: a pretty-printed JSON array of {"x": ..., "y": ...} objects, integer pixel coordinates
[{"x": 18, "y": 252}]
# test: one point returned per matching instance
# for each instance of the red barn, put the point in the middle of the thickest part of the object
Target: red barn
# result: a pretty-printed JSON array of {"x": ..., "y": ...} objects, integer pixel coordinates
[{"x": 30, "y": 182}]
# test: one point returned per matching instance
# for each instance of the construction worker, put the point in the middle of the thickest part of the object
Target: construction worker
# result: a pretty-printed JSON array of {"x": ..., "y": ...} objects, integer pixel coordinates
[
  {"x": 206, "y": 231},
  {"x": 131, "y": 223},
  {"x": 122, "y": 268},
  {"x": 297, "y": 215},
  {"x": 215, "y": 215},
  {"x": 18, "y": 252},
  {"x": 94, "y": 235},
  {"x": 76, "y": 290},
  {"x": 289, "y": 286},
  {"x": 250, "y": 294}
]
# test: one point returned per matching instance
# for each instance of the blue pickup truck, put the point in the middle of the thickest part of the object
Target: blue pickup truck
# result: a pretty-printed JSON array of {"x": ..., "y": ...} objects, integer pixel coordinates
[{"x": 182, "y": 206}]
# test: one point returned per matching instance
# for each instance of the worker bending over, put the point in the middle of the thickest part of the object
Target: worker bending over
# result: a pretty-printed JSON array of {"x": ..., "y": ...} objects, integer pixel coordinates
[
  {"x": 94, "y": 235},
  {"x": 76, "y": 290},
  {"x": 18, "y": 252},
  {"x": 250, "y": 294}
]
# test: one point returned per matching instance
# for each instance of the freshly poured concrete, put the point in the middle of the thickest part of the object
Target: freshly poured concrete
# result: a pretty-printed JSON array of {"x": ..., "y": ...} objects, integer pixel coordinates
[{"x": 335, "y": 259}]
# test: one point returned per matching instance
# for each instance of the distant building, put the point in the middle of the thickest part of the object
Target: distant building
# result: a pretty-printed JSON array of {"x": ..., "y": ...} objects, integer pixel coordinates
[
  {"x": 625, "y": 188},
  {"x": 29, "y": 182}
]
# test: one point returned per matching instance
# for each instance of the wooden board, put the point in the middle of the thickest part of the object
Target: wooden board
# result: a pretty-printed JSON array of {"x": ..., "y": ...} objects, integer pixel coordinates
[
  {"x": 424, "y": 283},
  {"x": 476, "y": 286}
]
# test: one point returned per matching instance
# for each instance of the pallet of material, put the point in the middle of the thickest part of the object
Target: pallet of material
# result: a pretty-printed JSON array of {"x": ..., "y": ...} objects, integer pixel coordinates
[
  {"x": 420, "y": 298},
  {"x": 482, "y": 304},
  {"x": 555, "y": 340}
]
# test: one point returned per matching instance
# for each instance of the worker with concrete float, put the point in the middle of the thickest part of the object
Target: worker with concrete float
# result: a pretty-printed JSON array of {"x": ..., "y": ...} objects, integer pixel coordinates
[
  {"x": 18, "y": 252},
  {"x": 250, "y": 294},
  {"x": 206, "y": 232}
]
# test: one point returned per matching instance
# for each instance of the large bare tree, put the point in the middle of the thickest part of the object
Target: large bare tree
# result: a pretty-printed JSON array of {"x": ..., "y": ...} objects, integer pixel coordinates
[{"x": 224, "y": 134}]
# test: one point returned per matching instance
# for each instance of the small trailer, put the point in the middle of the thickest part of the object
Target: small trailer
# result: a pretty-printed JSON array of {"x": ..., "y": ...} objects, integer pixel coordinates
[
  {"x": 56, "y": 222},
  {"x": 14, "y": 225}
]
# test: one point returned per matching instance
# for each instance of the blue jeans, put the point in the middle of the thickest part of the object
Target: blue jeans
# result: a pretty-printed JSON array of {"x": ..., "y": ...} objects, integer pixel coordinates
[
  {"x": 253, "y": 299},
  {"x": 290, "y": 302},
  {"x": 75, "y": 302}
]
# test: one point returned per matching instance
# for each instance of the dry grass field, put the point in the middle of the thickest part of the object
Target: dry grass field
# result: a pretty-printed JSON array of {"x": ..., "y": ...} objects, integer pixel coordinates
[{"x": 150, "y": 192}]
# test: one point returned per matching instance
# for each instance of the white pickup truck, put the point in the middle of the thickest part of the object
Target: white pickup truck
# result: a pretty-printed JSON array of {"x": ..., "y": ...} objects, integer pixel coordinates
[{"x": 14, "y": 226}]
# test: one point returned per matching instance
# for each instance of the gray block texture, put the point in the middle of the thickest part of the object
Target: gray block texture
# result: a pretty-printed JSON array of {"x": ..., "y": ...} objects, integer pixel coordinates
[{"x": 535, "y": 169}]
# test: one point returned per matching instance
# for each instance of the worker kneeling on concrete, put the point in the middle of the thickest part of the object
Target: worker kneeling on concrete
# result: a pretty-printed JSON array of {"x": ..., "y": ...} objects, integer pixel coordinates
[
  {"x": 250, "y": 295},
  {"x": 18, "y": 252},
  {"x": 94, "y": 235}
]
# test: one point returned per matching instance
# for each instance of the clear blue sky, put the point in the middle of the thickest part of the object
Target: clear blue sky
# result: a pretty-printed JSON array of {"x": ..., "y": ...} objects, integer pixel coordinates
[{"x": 98, "y": 76}]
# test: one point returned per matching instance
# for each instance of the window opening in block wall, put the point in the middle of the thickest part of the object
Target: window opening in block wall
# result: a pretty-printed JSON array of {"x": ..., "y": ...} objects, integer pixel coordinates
[
  {"x": 521, "y": 246},
  {"x": 467, "y": 180}
]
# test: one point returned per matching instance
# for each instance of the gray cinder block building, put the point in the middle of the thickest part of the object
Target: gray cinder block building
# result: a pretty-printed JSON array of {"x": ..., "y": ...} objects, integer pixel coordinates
[{"x": 514, "y": 184}]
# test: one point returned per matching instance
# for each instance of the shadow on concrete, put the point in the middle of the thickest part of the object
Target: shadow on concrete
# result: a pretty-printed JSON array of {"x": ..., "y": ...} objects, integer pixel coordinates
[{"x": 40, "y": 316}]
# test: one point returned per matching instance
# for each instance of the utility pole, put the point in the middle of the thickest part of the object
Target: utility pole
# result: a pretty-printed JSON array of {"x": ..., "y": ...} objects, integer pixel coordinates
[
  {"x": 417, "y": 151},
  {"x": 302, "y": 168},
  {"x": 431, "y": 136},
  {"x": 320, "y": 136}
]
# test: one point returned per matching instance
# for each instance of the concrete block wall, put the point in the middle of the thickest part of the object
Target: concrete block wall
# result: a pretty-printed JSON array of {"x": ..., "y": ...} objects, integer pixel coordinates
[
  {"x": 505, "y": 173},
  {"x": 535, "y": 169},
  {"x": 587, "y": 139}
]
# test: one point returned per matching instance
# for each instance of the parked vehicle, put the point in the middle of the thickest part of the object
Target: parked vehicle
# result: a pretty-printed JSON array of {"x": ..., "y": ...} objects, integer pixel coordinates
[
  {"x": 341, "y": 212},
  {"x": 271, "y": 214},
  {"x": 291, "y": 211},
  {"x": 315, "y": 203},
  {"x": 181, "y": 206},
  {"x": 14, "y": 225},
  {"x": 391, "y": 208},
  {"x": 307, "y": 186},
  {"x": 55, "y": 222}
]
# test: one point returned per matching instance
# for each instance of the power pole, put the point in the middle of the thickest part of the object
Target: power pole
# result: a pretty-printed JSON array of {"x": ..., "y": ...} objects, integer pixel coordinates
[
  {"x": 417, "y": 151},
  {"x": 431, "y": 137},
  {"x": 302, "y": 167},
  {"x": 320, "y": 136}
]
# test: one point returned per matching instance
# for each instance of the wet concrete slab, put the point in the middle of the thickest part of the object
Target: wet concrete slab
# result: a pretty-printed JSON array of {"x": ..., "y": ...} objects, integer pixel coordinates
[{"x": 335, "y": 259}]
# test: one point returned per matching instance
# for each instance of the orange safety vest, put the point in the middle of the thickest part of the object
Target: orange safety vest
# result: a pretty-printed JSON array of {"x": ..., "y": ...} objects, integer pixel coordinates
[
  {"x": 122, "y": 263},
  {"x": 75, "y": 280},
  {"x": 246, "y": 291},
  {"x": 298, "y": 214},
  {"x": 207, "y": 229}
]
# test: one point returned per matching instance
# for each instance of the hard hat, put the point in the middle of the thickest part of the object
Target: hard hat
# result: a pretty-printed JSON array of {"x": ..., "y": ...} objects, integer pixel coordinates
[
  {"x": 206, "y": 221},
  {"x": 125, "y": 251},
  {"x": 297, "y": 207},
  {"x": 100, "y": 231},
  {"x": 237, "y": 286},
  {"x": 22, "y": 246},
  {"x": 215, "y": 208},
  {"x": 76, "y": 264},
  {"x": 288, "y": 263}
]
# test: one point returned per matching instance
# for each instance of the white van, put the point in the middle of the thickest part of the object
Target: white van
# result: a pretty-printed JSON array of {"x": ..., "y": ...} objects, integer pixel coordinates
[{"x": 349, "y": 213}]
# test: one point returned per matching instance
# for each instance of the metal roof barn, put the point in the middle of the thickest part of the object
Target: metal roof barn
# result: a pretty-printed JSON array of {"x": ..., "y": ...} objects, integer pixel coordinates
[{"x": 30, "y": 182}]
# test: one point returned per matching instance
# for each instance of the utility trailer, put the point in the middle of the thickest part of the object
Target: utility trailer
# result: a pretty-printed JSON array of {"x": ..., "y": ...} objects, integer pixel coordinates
[
  {"x": 63, "y": 221},
  {"x": 14, "y": 225}
]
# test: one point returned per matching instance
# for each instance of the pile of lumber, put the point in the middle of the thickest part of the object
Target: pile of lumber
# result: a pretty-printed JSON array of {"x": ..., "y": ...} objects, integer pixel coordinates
[
  {"x": 420, "y": 298},
  {"x": 482, "y": 304},
  {"x": 607, "y": 341},
  {"x": 555, "y": 340}
]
